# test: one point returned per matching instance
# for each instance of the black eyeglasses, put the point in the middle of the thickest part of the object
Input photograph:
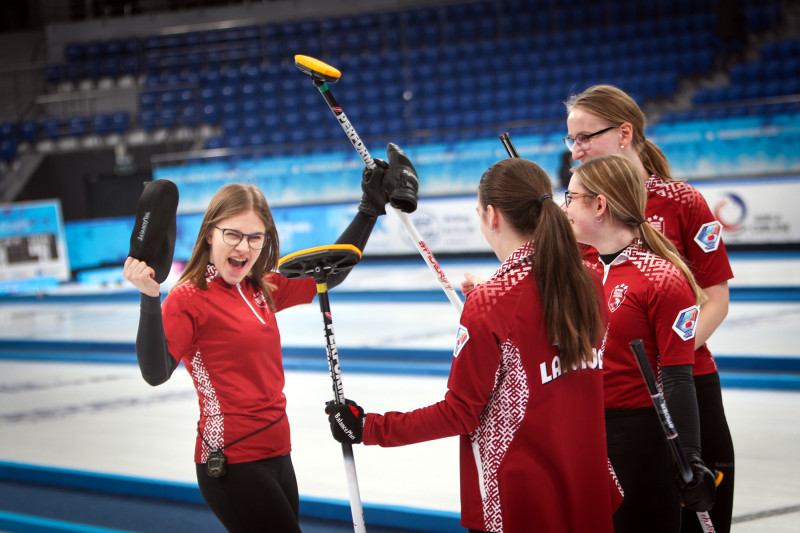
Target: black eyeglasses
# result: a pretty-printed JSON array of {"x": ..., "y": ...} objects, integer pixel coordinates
[
  {"x": 232, "y": 237},
  {"x": 568, "y": 196},
  {"x": 583, "y": 139}
]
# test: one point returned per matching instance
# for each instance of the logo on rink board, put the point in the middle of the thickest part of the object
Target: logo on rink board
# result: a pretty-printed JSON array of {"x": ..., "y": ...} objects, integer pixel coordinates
[
  {"x": 686, "y": 322},
  {"x": 461, "y": 339},
  {"x": 709, "y": 236}
]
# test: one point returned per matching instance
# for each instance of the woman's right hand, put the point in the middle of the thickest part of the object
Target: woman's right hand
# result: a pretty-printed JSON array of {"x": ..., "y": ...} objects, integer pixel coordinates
[
  {"x": 469, "y": 282},
  {"x": 141, "y": 276}
]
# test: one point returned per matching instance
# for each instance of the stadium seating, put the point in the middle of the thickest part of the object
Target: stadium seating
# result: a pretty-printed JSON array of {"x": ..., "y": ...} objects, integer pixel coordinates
[
  {"x": 429, "y": 73},
  {"x": 775, "y": 75}
]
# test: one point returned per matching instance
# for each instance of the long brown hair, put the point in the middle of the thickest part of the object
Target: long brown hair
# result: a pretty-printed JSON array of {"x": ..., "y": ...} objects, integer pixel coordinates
[
  {"x": 616, "y": 179},
  {"x": 570, "y": 304},
  {"x": 232, "y": 200},
  {"x": 616, "y": 106}
]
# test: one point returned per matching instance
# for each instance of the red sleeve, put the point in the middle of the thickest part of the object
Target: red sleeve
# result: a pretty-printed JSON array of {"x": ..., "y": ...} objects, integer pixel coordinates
[
  {"x": 681, "y": 213},
  {"x": 472, "y": 378},
  {"x": 290, "y": 292},
  {"x": 704, "y": 248},
  {"x": 673, "y": 315},
  {"x": 183, "y": 313}
]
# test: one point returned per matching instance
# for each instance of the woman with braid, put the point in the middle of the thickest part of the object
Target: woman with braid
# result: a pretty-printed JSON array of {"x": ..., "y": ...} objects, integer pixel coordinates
[
  {"x": 651, "y": 295},
  {"x": 525, "y": 391},
  {"x": 604, "y": 120}
]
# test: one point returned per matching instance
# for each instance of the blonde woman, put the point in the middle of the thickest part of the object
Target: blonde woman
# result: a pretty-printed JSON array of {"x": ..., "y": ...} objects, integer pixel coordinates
[
  {"x": 651, "y": 295},
  {"x": 604, "y": 120}
]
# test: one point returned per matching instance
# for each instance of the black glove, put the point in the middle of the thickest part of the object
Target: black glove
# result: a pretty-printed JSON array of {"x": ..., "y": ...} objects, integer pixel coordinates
[
  {"x": 700, "y": 493},
  {"x": 374, "y": 197},
  {"x": 401, "y": 181},
  {"x": 347, "y": 421}
]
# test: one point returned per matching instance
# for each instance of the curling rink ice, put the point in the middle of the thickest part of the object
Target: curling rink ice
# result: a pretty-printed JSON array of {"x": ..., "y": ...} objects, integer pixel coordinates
[{"x": 102, "y": 417}]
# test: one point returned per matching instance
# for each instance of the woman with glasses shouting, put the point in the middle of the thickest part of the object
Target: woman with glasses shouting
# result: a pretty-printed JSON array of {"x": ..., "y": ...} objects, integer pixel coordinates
[
  {"x": 650, "y": 295},
  {"x": 219, "y": 320},
  {"x": 604, "y": 120}
]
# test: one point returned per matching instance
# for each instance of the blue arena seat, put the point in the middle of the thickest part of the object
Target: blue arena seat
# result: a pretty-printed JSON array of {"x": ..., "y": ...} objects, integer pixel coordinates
[
  {"x": 74, "y": 52},
  {"x": 228, "y": 93},
  {"x": 112, "y": 48},
  {"x": 229, "y": 108},
  {"x": 167, "y": 117},
  {"x": 129, "y": 65},
  {"x": 230, "y": 125},
  {"x": 91, "y": 69},
  {"x": 51, "y": 128},
  {"x": 234, "y": 141},
  {"x": 101, "y": 124},
  {"x": 249, "y": 107},
  {"x": 146, "y": 120},
  {"x": 120, "y": 122},
  {"x": 29, "y": 131},
  {"x": 52, "y": 74},
  {"x": 8, "y": 130},
  {"x": 213, "y": 143},
  {"x": 270, "y": 122},
  {"x": 250, "y": 123},
  {"x": 277, "y": 136},
  {"x": 131, "y": 47},
  {"x": 256, "y": 138},
  {"x": 77, "y": 126},
  {"x": 189, "y": 116},
  {"x": 168, "y": 99},
  {"x": 8, "y": 150},
  {"x": 110, "y": 67},
  {"x": 153, "y": 43}
]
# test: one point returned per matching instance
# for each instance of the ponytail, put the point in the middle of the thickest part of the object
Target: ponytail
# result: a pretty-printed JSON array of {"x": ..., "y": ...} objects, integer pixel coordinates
[
  {"x": 522, "y": 191},
  {"x": 654, "y": 160},
  {"x": 570, "y": 302},
  {"x": 656, "y": 242}
]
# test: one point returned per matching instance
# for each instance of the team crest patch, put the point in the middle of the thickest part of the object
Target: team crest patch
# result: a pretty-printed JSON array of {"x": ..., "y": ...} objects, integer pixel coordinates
[
  {"x": 260, "y": 299},
  {"x": 617, "y": 296},
  {"x": 461, "y": 339},
  {"x": 686, "y": 322},
  {"x": 657, "y": 222},
  {"x": 709, "y": 236}
]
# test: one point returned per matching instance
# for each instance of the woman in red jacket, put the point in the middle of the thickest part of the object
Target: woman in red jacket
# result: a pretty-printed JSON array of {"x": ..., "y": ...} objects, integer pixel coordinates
[
  {"x": 651, "y": 295},
  {"x": 219, "y": 320},
  {"x": 525, "y": 389},
  {"x": 604, "y": 120}
]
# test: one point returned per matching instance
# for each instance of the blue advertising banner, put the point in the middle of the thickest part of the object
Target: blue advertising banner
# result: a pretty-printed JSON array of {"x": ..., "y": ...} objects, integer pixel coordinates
[{"x": 32, "y": 243}]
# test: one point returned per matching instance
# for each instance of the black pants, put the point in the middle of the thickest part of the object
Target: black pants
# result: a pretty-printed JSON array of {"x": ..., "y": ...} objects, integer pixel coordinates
[
  {"x": 260, "y": 496},
  {"x": 638, "y": 451},
  {"x": 717, "y": 445}
]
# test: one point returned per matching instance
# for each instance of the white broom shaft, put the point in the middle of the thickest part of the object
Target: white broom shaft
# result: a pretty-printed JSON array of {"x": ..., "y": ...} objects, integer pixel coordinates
[
  {"x": 427, "y": 255},
  {"x": 356, "y": 509},
  {"x": 422, "y": 248}
]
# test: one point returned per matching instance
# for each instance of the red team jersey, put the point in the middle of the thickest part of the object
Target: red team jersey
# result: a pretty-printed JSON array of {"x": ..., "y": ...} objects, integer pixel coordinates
[
  {"x": 648, "y": 298},
  {"x": 533, "y": 447},
  {"x": 228, "y": 340},
  {"x": 680, "y": 212}
]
